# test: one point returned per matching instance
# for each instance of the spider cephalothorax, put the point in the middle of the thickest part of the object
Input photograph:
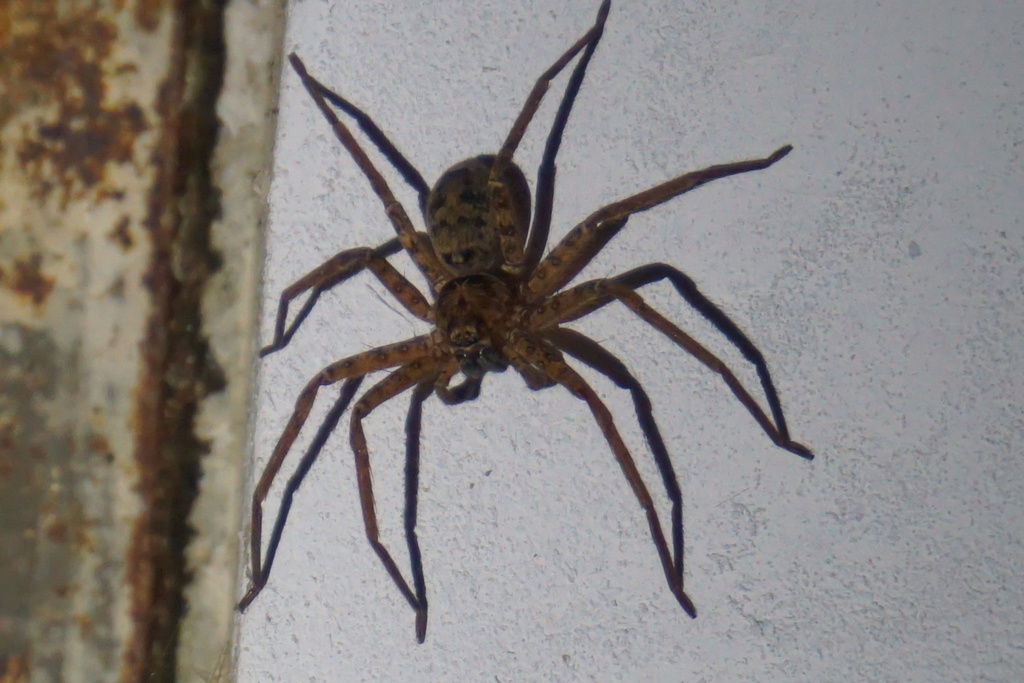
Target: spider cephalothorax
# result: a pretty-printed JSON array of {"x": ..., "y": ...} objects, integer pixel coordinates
[
  {"x": 472, "y": 314},
  {"x": 499, "y": 302}
]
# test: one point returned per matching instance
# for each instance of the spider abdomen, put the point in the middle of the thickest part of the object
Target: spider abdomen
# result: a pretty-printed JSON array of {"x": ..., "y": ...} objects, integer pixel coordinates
[{"x": 468, "y": 216}]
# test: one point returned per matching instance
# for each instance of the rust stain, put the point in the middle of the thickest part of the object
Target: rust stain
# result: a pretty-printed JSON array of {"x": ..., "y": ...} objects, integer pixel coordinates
[
  {"x": 84, "y": 624},
  {"x": 104, "y": 194},
  {"x": 121, "y": 235},
  {"x": 14, "y": 668},
  {"x": 35, "y": 451},
  {"x": 178, "y": 370},
  {"x": 148, "y": 13},
  {"x": 58, "y": 57},
  {"x": 117, "y": 288},
  {"x": 28, "y": 280},
  {"x": 56, "y": 530},
  {"x": 99, "y": 444},
  {"x": 6, "y": 447}
]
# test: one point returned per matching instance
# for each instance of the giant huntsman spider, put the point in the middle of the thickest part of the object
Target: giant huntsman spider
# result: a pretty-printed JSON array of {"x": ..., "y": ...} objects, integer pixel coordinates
[{"x": 496, "y": 301}]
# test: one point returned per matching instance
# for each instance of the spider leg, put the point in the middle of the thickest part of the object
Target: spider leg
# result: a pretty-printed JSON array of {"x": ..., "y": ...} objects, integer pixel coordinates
[
  {"x": 585, "y": 298},
  {"x": 687, "y": 288},
  {"x": 467, "y": 390},
  {"x": 417, "y": 372},
  {"x": 584, "y": 241},
  {"x": 591, "y": 353},
  {"x": 536, "y": 378},
  {"x": 543, "y": 355},
  {"x": 407, "y": 352},
  {"x": 417, "y": 245},
  {"x": 546, "y": 172},
  {"x": 413, "y": 422},
  {"x": 261, "y": 574},
  {"x": 333, "y": 272},
  {"x": 510, "y": 245},
  {"x": 378, "y": 138}
]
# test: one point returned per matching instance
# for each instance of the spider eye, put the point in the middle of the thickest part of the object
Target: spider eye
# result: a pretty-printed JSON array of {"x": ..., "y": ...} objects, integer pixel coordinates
[{"x": 464, "y": 337}]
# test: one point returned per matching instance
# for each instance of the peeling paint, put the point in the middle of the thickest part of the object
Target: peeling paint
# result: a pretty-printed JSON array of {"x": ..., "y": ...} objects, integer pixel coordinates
[
  {"x": 121, "y": 234},
  {"x": 63, "y": 57},
  {"x": 27, "y": 280},
  {"x": 14, "y": 668}
]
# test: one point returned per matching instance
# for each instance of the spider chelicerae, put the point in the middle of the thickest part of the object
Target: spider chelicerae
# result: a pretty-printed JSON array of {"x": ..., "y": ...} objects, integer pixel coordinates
[{"x": 496, "y": 301}]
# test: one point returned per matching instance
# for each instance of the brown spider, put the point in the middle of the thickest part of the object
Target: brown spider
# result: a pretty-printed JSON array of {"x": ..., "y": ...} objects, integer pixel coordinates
[{"x": 497, "y": 302}]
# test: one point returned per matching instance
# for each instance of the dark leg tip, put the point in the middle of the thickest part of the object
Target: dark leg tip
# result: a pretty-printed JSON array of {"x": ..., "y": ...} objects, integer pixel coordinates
[
  {"x": 683, "y": 599},
  {"x": 779, "y": 153},
  {"x": 799, "y": 449},
  {"x": 246, "y": 601},
  {"x": 686, "y": 603},
  {"x": 251, "y": 594},
  {"x": 421, "y": 626}
]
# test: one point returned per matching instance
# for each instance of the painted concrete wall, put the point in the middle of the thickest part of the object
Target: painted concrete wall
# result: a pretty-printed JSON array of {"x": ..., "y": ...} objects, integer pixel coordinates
[{"x": 878, "y": 267}]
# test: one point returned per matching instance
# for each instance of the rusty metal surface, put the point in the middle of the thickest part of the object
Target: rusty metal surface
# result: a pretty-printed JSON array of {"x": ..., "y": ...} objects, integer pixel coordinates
[
  {"x": 246, "y": 109},
  {"x": 122, "y": 408}
]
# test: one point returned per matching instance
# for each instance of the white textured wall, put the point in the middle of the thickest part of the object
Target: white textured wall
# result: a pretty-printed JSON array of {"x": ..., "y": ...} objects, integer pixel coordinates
[{"x": 879, "y": 268}]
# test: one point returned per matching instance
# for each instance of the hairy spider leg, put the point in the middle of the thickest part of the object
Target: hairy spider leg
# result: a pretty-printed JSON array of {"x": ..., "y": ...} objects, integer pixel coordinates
[
  {"x": 418, "y": 372},
  {"x": 541, "y": 227},
  {"x": 409, "y": 173},
  {"x": 592, "y": 354},
  {"x": 590, "y": 296},
  {"x": 261, "y": 574},
  {"x": 413, "y": 425},
  {"x": 584, "y": 241},
  {"x": 407, "y": 352},
  {"x": 416, "y": 244},
  {"x": 336, "y": 270},
  {"x": 687, "y": 288},
  {"x": 524, "y": 349},
  {"x": 412, "y": 429},
  {"x": 511, "y": 246},
  {"x": 581, "y": 244},
  {"x": 345, "y": 264},
  {"x": 466, "y": 391}
]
